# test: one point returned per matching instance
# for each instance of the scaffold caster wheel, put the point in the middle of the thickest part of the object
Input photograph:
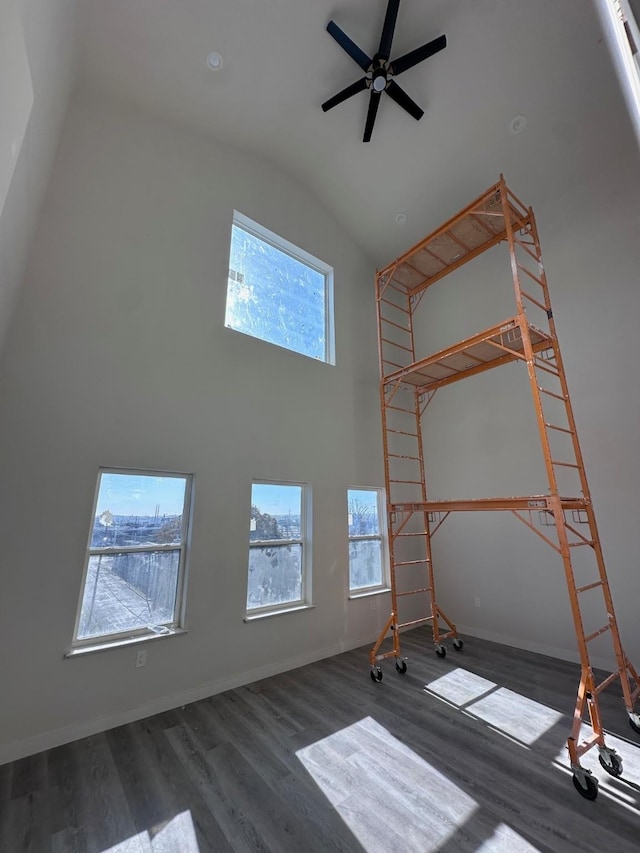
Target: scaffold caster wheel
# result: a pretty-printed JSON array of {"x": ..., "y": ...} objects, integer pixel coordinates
[
  {"x": 613, "y": 769},
  {"x": 586, "y": 785},
  {"x": 376, "y": 673},
  {"x": 634, "y": 725},
  {"x": 401, "y": 666},
  {"x": 458, "y": 644},
  {"x": 441, "y": 651}
]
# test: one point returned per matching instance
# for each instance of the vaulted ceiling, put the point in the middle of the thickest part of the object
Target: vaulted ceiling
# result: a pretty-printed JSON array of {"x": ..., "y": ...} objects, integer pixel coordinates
[{"x": 544, "y": 60}]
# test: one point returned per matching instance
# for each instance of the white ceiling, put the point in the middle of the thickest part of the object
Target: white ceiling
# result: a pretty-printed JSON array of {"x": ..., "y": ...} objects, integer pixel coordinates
[{"x": 545, "y": 59}]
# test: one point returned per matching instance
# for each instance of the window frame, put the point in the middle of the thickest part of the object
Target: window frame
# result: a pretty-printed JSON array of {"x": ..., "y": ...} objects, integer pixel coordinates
[
  {"x": 621, "y": 27},
  {"x": 260, "y": 232},
  {"x": 381, "y": 536},
  {"x": 305, "y": 601},
  {"x": 144, "y": 633}
]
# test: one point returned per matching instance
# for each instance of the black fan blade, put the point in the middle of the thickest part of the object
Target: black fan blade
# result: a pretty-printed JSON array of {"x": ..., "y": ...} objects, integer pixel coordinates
[
  {"x": 402, "y": 99},
  {"x": 353, "y": 89},
  {"x": 388, "y": 29},
  {"x": 415, "y": 56},
  {"x": 374, "y": 102},
  {"x": 349, "y": 46}
]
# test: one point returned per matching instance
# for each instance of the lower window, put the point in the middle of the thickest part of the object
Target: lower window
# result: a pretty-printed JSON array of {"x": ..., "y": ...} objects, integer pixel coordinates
[
  {"x": 133, "y": 582},
  {"x": 277, "y": 576},
  {"x": 367, "y": 562}
]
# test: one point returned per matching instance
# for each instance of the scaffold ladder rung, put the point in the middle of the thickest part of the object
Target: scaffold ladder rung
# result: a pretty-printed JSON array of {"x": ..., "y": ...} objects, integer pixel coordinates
[
  {"x": 607, "y": 681},
  {"x": 560, "y": 429},
  {"x": 393, "y": 305},
  {"x": 589, "y": 586},
  {"x": 410, "y": 562},
  {"x": 531, "y": 275},
  {"x": 581, "y": 544},
  {"x": 396, "y": 325},
  {"x": 392, "y": 363},
  {"x": 535, "y": 301},
  {"x": 414, "y": 622},
  {"x": 551, "y": 394},
  {"x": 400, "y": 409},
  {"x": 413, "y": 591},
  {"x": 525, "y": 246},
  {"x": 597, "y": 633},
  {"x": 396, "y": 344},
  {"x": 548, "y": 367}
]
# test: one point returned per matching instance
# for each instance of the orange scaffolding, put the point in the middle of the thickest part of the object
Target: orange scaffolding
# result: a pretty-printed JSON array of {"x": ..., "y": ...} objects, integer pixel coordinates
[{"x": 407, "y": 387}]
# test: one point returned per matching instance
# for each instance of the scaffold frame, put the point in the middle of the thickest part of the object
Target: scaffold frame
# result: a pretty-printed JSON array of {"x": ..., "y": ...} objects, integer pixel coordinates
[{"x": 407, "y": 387}]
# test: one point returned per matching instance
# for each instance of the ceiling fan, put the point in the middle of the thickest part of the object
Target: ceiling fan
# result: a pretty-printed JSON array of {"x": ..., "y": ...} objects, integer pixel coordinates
[{"x": 380, "y": 71}]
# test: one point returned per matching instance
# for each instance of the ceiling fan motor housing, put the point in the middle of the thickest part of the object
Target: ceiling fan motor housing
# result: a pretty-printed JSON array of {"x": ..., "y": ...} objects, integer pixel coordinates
[{"x": 380, "y": 70}]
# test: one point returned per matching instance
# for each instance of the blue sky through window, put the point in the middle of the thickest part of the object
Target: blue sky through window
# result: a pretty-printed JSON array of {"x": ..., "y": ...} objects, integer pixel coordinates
[
  {"x": 276, "y": 499},
  {"x": 140, "y": 494}
]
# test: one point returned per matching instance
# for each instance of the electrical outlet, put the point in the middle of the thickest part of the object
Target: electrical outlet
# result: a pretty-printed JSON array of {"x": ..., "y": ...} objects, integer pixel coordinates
[
  {"x": 141, "y": 657},
  {"x": 373, "y": 604},
  {"x": 476, "y": 601}
]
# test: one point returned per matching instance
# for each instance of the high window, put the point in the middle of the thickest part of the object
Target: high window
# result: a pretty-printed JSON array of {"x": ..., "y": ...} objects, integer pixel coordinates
[
  {"x": 278, "y": 564},
  {"x": 133, "y": 581},
  {"x": 367, "y": 563},
  {"x": 278, "y": 292}
]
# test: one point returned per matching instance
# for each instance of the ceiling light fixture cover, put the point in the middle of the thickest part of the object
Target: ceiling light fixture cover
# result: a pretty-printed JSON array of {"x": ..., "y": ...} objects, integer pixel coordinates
[
  {"x": 214, "y": 61},
  {"x": 518, "y": 124}
]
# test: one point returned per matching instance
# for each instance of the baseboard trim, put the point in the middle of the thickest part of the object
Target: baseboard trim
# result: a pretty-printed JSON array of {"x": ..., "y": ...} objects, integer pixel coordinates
[
  {"x": 538, "y": 648},
  {"x": 67, "y": 734}
]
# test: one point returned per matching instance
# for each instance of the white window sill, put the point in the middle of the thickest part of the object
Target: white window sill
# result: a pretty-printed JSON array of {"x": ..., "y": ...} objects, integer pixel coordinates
[
  {"x": 79, "y": 651},
  {"x": 254, "y": 617},
  {"x": 354, "y": 596}
]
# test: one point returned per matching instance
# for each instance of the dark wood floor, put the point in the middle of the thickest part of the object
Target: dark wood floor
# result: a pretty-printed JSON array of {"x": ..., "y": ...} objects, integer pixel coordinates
[{"x": 323, "y": 759}]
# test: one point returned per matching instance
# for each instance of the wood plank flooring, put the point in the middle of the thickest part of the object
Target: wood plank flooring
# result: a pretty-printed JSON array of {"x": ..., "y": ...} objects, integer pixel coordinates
[{"x": 457, "y": 755}]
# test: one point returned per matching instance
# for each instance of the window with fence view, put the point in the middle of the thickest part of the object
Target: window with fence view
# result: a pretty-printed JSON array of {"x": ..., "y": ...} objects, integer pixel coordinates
[{"x": 134, "y": 572}]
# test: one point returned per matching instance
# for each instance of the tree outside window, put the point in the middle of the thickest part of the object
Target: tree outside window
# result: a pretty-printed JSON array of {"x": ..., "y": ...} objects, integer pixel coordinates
[
  {"x": 366, "y": 544},
  {"x": 277, "y": 559}
]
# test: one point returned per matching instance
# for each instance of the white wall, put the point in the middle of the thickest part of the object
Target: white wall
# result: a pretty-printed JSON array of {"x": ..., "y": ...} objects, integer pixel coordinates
[
  {"x": 118, "y": 356},
  {"x": 37, "y": 71}
]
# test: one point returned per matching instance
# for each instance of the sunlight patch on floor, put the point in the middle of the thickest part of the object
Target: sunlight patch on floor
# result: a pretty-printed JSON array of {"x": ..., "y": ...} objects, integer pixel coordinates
[
  {"x": 505, "y": 838},
  {"x": 417, "y": 807},
  {"x": 508, "y": 712},
  {"x": 460, "y": 686},
  {"x": 522, "y": 718},
  {"x": 140, "y": 843},
  {"x": 177, "y": 834}
]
